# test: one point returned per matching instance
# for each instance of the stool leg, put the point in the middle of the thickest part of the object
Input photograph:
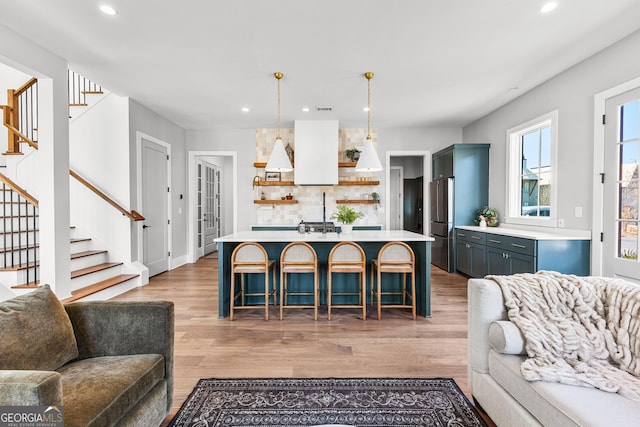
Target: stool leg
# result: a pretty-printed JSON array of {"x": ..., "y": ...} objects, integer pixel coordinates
[
  {"x": 283, "y": 289},
  {"x": 232, "y": 296},
  {"x": 379, "y": 289},
  {"x": 413, "y": 295},
  {"x": 363, "y": 293},
  {"x": 266, "y": 295},
  {"x": 316, "y": 294},
  {"x": 329, "y": 295}
]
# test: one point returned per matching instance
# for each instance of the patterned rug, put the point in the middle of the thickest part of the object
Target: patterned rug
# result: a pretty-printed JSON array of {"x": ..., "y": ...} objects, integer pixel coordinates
[{"x": 312, "y": 401}]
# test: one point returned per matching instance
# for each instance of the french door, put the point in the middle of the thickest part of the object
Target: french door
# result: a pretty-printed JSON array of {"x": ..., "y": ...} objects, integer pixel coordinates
[{"x": 621, "y": 197}]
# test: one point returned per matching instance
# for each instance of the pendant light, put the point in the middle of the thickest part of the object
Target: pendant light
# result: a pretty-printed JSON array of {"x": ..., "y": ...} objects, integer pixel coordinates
[
  {"x": 278, "y": 161},
  {"x": 369, "y": 161}
]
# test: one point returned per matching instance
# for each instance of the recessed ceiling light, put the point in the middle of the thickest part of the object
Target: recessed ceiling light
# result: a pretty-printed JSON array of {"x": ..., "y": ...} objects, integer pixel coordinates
[
  {"x": 365, "y": 109},
  {"x": 108, "y": 10},
  {"x": 245, "y": 109},
  {"x": 305, "y": 109},
  {"x": 548, "y": 7}
]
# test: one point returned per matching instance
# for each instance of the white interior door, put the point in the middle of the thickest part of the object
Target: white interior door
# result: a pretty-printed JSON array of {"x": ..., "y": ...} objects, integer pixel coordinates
[
  {"x": 200, "y": 209},
  {"x": 155, "y": 202},
  {"x": 396, "y": 197},
  {"x": 621, "y": 204},
  {"x": 211, "y": 214}
]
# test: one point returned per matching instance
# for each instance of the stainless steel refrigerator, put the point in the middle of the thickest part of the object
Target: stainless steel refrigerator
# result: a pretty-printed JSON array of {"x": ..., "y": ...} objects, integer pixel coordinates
[{"x": 441, "y": 206}]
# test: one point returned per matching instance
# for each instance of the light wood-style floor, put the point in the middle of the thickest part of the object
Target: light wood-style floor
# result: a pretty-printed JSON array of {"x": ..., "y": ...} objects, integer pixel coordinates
[{"x": 298, "y": 346}]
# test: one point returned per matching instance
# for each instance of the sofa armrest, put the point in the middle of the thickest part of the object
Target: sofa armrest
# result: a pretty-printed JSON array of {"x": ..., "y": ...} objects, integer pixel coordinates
[
  {"x": 114, "y": 328},
  {"x": 30, "y": 388},
  {"x": 486, "y": 305}
]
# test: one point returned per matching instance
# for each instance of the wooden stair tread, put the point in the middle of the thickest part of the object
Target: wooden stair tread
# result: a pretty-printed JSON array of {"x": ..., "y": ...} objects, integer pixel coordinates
[
  {"x": 21, "y": 248},
  {"x": 97, "y": 287},
  {"x": 92, "y": 92},
  {"x": 32, "y": 285},
  {"x": 78, "y": 105},
  {"x": 94, "y": 269},
  {"x": 87, "y": 253},
  {"x": 80, "y": 239},
  {"x": 20, "y": 267}
]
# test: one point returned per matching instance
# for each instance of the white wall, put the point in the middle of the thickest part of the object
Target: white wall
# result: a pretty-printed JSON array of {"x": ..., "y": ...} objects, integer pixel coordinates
[
  {"x": 571, "y": 93},
  {"x": 53, "y": 136},
  {"x": 99, "y": 152},
  {"x": 141, "y": 119},
  {"x": 243, "y": 142}
]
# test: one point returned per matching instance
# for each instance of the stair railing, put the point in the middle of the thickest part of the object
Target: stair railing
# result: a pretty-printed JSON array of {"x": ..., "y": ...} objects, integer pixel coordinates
[
  {"x": 79, "y": 88},
  {"x": 19, "y": 230},
  {"x": 132, "y": 215},
  {"x": 20, "y": 116}
]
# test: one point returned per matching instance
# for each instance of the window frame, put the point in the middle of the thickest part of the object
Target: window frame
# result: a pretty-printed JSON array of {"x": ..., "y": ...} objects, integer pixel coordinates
[{"x": 513, "y": 186}]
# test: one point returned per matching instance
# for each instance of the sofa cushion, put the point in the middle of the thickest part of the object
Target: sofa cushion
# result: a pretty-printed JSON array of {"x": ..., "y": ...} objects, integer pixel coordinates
[
  {"x": 506, "y": 338},
  {"x": 35, "y": 332},
  {"x": 556, "y": 404},
  {"x": 99, "y": 390}
]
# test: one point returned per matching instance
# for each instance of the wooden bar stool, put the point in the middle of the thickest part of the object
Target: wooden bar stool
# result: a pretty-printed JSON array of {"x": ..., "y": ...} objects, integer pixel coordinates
[
  {"x": 298, "y": 257},
  {"x": 394, "y": 257},
  {"x": 347, "y": 257},
  {"x": 251, "y": 258}
]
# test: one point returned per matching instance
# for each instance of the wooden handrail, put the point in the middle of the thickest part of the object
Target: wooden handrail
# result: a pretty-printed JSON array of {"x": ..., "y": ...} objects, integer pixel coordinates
[
  {"x": 20, "y": 135},
  {"x": 133, "y": 215},
  {"x": 25, "y": 86},
  {"x": 21, "y": 191}
]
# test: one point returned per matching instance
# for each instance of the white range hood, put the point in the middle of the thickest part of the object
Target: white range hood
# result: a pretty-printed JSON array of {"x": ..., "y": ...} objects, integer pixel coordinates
[{"x": 316, "y": 152}]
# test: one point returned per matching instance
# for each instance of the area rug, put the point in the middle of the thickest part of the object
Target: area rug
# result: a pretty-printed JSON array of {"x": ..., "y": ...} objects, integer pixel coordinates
[{"x": 311, "y": 401}]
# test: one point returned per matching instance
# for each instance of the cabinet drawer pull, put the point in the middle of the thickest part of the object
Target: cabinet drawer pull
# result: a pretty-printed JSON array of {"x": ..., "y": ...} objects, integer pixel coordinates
[
  {"x": 462, "y": 235},
  {"x": 495, "y": 241},
  {"x": 476, "y": 237},
  {"x": 519, "y": 246}
]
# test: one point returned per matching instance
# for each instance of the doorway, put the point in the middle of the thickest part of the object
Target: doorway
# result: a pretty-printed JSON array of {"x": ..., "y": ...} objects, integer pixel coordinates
[
  {"x": 212, "y": 207},
  {"x": 155, "y": 192},
  {"x": 405, "y": 190}
]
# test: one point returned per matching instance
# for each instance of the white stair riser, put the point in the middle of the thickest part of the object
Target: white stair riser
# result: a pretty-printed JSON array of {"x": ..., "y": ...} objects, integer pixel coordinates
[
  {"x": 90, "y": 279},
  {"x": 11, "y": 278},
  {"x": 81, "y": 246},
  {"x": 88, "y": 261}
]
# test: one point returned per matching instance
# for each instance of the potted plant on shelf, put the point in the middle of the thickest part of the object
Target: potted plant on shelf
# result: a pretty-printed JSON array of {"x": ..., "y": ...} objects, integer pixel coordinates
[
  {"x": 353, "y": 154},
  {"x": 490, "y": 216},
  {"x": 347, "y": 217}
]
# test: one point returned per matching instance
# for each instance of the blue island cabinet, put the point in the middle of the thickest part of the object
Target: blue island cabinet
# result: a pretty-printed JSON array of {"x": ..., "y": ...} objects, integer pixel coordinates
[{"x": 370, "y": 240}]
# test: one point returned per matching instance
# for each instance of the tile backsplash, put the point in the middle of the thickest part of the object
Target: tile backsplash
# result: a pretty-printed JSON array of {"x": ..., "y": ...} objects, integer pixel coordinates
[{"x": 309, "y": 206}]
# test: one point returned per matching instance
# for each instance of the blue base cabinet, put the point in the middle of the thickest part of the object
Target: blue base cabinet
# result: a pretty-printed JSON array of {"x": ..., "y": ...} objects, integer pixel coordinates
[{"x": 487, "y": 252}]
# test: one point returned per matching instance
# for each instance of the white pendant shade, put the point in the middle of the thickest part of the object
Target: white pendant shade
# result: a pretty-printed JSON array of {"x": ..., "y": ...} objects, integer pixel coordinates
[
  {"x": 278, "y": 161},
  {"x": 369, "y": 161}
]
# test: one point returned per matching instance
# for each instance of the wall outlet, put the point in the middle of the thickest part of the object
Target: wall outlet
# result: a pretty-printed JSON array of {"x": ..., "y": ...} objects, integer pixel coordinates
[
  {"x": 578, "y": 211},
  {"x": 560, "y": 222}
]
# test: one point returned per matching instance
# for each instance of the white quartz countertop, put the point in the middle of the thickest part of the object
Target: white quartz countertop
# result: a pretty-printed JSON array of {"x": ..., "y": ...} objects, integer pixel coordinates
[
  {"x": 355, "y": 236},
  {"x": 529, "y": 234}
]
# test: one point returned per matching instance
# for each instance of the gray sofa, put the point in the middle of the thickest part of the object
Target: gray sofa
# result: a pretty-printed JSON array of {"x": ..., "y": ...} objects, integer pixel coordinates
[
  {"x": 496, "y": 350},
  {"x": 105, "y": 363}
]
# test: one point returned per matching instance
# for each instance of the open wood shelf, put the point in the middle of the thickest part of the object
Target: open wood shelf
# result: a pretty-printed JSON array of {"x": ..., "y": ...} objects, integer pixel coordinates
[
  {"x": 275, "y": 202},
  {"x": 273, "y": 183},
  {"x": 357, "y": 202},
  {"x": 347, "y": 164},
  {"x": 263, "y": 164},
  {"x": 359, "y": 183}
]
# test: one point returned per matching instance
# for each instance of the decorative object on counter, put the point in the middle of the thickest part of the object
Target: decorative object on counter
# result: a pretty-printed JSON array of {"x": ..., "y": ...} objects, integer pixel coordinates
[
  {"x": 256, "y": 181},
  {"x": 347, "y": 216},
  {"x": 353, "y": 154},
  {"x": 369, "y": 161},
  {"x": 490, "y": 216},
  {"x": 289, "y": 196},
  {"x": 278, "y": 160},
  {"x": 483, "y": 222},
  {"x": 272, "y": 176}
]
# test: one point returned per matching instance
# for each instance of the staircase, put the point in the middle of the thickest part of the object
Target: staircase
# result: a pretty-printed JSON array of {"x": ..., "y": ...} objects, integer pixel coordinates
[{"x": 95, "y": 273}]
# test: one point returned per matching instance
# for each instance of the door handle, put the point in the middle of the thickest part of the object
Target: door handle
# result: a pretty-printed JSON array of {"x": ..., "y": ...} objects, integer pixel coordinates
[{"x": 145, "y": 226}]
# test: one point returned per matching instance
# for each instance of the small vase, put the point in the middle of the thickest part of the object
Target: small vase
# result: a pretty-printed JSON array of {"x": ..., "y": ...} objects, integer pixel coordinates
[
  {"x": 346, "y": 228},
  {"x": 483, "y": 223}
]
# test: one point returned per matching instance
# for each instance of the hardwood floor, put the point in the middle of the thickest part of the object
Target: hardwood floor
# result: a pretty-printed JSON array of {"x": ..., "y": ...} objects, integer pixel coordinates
[{"x": 298, "y": 346}]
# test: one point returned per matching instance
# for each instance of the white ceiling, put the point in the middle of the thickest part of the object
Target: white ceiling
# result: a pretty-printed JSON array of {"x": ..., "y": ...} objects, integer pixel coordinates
[{"x": 442, "y": 63}]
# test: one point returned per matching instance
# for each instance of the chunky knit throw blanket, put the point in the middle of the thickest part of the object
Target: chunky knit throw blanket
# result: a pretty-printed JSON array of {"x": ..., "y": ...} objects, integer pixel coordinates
[{"x": 579, "y": 330}]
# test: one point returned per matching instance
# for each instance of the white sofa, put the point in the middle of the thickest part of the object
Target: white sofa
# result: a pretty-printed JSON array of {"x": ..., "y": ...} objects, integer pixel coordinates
[{"x": 510, "y": 400}]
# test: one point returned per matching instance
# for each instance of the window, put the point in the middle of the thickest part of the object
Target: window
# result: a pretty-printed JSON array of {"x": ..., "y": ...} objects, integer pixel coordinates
[{"x": 531, "y": 153}]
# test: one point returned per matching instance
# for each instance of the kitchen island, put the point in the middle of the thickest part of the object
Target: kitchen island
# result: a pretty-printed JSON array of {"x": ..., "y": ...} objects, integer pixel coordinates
[{"x": 370, "y": 240}]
